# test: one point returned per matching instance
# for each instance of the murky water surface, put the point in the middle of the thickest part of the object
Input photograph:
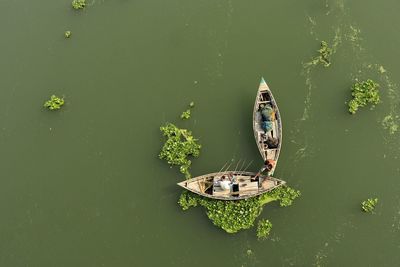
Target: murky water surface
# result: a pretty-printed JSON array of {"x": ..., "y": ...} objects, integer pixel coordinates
[{"x": 84, "y": 187}]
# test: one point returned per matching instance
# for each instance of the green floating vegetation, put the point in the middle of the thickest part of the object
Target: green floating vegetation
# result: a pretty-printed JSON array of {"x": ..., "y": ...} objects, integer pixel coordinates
[
  {"x": 324, "y": 57},
  {"x": 285, "y": 195},
  {"x": 325, "y": 53},
  {"x": 185, "y": 115},
  {"x": 369, "y": 204},
  {"x": 363, "y": 93},
  {"x": 78, "y": 4},
  {"x": 179, "y": 145},
  {"x": 233, "y": 216},
  {"x": 263, "y": 228},
  {"x": 67, "y": 34},
  {"x": 54, "y": 103}
]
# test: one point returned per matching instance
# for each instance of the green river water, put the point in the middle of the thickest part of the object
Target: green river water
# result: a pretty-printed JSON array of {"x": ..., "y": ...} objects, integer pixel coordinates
[{"x": 83, "y": 186}]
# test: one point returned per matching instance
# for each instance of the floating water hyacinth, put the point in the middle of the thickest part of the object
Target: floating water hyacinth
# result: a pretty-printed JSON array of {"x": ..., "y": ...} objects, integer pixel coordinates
[
  {"x": 78, "y": 4},
  {"x": 54, "y": 103},
  {"x": 185, "y": 115},
  {"x": 179, "y": 145},
  {"x": 263, "y": 229},
  {"x": 363, "y": 93},
  {"x": 324, "y": 57},
  {"x": 325, "y": 54},
  {"x": 369, "y": 204},
  {"x": 233, "y": 216}
]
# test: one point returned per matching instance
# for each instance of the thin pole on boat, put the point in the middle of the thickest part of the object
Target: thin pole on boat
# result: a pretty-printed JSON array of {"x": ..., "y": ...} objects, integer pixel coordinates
[
  {"x": 205, "y": 177},
  {"x": 237, "y": 165},
  {"x": 248, "y": 165},
  {"x": 226, "y": 168},
  {"x": 241, "y": 167},
  {"x": 223, "y": 166}
]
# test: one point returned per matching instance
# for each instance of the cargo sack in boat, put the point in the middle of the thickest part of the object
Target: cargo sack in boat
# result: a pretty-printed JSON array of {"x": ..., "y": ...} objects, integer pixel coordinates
[
  {"x": 267, "y": 113},
  {"x": 272, "y": 142},
  {"x": 266, "y": 126}
]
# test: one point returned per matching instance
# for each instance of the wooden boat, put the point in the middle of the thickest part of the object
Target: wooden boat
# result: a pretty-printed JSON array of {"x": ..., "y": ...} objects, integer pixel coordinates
[
  {"x": 242, "y": 185},
  {"x": 264, "y": 139}
]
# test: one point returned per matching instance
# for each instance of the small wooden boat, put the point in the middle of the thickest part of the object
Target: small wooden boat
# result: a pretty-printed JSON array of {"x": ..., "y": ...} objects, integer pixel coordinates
[
  {"x": 268, "y": 142},
  {"x": 242, "y": 185}
]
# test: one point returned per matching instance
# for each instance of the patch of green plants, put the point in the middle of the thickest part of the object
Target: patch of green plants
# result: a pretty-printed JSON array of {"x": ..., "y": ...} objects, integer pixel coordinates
[
  {"x": 67, "y": 34},
  {"x": 233, "y": 216},
  {"x": 369, "y": 204},
  {"x": 78, "y": 4},
  {"x": 263, "y": 228},
  {"x": 325, "y": 53},
  {"x": 185, "y": 115},
  {"x": 180, "y": 144},
  {"x": 284, "y": 194},
  {"x": 54, "y": 103},
  {"x": 188, "y": 200},
  {"x": 363, "y": 93}
]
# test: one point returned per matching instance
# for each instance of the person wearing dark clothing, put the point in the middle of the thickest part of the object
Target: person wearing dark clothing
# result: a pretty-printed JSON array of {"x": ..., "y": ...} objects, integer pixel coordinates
[{"x": 268, "y": 166}]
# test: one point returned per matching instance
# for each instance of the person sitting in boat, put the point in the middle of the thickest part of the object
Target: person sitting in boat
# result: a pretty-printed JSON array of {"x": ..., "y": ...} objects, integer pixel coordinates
[
  {"x": 232, "y": 178},
  {"x": 224, "y": 183},
  {"x": 268, "y": 166}
]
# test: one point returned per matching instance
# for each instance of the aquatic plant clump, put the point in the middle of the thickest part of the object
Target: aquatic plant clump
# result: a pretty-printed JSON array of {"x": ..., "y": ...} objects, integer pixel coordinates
[
  {"x": 284, "y": 194},
  {"x": 54, "y": 103},
  {"x": 185, "y": 115},
  {"x": 263, "y": 228},
  {"x": 67, "y": 34},
  {"x": 78, "y": 4},
  {"x": 369, "y": 204},
  {"x": 233, "y": 216},
  {"x": 188, "y": 200},
  {"x": 325, "y": 53},
  {"x": 324, "y": 57},
  {"x": 179, "y": 145},
  {"x": 363, "y": 93}
]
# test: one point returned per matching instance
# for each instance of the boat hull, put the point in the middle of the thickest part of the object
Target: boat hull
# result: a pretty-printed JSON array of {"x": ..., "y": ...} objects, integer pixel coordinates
[
  {"x": 264, "y": 96},
  {"x": 247, "y": 184}
]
